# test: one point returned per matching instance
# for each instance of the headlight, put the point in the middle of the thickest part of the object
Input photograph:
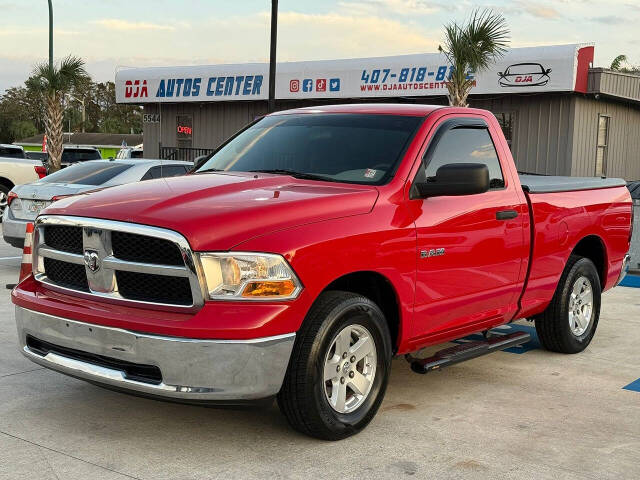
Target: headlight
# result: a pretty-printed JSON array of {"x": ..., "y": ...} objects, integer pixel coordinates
[{"x": 248, "y": 276}]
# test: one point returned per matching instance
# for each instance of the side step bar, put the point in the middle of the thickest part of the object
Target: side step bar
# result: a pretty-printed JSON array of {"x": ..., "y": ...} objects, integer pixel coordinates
[{"x": 467, "y": 351}]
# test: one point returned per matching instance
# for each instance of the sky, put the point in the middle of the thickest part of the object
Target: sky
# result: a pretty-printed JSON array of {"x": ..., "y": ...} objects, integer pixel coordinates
[{"x": 113, "y": 33}]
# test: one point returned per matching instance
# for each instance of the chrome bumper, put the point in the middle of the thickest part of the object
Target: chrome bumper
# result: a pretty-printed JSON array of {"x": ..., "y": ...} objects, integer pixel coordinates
[
  {"x": 625, "y": 268},
  {"x": 191, "y": 369}
]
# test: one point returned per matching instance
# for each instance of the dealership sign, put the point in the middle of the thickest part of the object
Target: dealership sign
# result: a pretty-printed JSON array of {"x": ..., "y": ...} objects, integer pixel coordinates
[{"x": 561, "y": 68}]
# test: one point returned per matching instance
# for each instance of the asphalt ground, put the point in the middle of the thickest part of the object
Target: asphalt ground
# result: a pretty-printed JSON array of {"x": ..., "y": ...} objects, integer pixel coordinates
[{"x": 524, "y": 413}]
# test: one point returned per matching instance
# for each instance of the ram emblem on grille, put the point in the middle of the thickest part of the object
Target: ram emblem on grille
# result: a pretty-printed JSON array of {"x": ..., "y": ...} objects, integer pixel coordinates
[{"x": 92, "y": 260}]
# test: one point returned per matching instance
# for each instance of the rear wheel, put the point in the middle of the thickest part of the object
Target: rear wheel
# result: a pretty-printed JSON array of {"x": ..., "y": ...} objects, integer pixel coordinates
[
  {"x": 570, "y": 321},
  {"x": 4, "y": 195},
  {"x": 339, "y": 367}
]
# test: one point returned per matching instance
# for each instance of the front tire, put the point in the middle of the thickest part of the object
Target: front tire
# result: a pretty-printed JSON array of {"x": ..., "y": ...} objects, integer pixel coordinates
[
  {"x": 339, "y": 367},
  {"x": 570, "y": 321}
]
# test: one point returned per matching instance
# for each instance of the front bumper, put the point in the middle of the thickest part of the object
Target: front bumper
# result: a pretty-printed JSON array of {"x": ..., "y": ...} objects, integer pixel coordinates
[{"x": 191, "y": 369}]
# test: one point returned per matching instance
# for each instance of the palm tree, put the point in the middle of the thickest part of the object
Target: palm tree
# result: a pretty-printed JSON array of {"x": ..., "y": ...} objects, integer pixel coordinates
[
  {"x": 54, "y": 81},
  {"x": 617, "y": 62},
  {"x": 472, "y": 47}
]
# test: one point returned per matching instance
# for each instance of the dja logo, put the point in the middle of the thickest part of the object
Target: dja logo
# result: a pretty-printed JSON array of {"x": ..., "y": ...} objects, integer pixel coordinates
[{"x": 140, "y": 90}]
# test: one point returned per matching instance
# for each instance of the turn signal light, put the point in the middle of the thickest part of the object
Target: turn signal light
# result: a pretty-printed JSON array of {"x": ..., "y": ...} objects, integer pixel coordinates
[
  {"x": 11, "y": 197},
  {"x": 282, "y": 288}
]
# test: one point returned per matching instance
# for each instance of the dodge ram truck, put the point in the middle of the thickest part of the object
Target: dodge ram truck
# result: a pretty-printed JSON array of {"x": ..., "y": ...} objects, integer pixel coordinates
[{"x": 311, "y": 248}]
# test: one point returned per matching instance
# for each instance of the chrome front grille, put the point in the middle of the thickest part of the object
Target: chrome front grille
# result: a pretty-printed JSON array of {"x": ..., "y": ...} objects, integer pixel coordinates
[{"x": 116, "y": 261}]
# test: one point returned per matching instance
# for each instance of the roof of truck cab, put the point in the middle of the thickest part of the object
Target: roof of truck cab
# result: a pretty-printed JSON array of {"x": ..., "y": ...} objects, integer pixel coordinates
[{"x": 410, "y": 109}]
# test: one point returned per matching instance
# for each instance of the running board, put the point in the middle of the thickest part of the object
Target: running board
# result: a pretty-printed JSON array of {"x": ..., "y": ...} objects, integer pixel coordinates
[{"x": 467, "y": 351}]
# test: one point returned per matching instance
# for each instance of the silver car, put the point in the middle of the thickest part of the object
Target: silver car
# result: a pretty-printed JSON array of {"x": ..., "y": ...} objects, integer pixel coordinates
[{"x": 26, "y": 201}]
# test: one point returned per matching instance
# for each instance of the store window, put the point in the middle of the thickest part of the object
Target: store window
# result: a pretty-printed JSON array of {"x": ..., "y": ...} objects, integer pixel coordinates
[
  {"x": 602, "y": 147},
  {"x": 506, "y": 121},
  {"x": 184, "y": 131}
]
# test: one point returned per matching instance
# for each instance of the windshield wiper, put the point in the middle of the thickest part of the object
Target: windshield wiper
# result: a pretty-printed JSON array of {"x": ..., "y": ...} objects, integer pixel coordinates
[
  {"x": 210, "y": 170},
  {"x": 293, "y": 173}
]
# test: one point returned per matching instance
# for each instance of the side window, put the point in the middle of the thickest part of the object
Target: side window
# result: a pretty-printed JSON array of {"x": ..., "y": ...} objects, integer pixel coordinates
[
  {"x": 162, "y": 171},
  {"x": 465, "y": 145},
  {"x": 172, "y": 171},
  {"x": 153, "y": 172}
]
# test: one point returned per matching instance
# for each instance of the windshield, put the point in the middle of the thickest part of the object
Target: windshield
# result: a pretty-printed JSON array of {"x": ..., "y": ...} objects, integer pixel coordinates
[
  {"x": 11, "y": 152},
  {"x": 72, "y": 155},
  {"x": 349, "y": 148},
  {"x": 89, "y": 173}
]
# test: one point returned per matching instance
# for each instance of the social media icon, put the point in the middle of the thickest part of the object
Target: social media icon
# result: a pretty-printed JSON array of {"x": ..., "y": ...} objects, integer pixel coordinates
[
  {"x": 334, "y": 85},
  {"x": 294, "y": 85},
  {"x": 307, "y": 85},
  {"x": 321, "y": 85}
]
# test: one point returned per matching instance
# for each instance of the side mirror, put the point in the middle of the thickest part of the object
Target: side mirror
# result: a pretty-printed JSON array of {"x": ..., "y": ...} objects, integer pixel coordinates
[
  {"x": 455, "y": 179},
  {"x": 548, "y": 71},
  {"x": 500, "y": 74},
  {"x": 198, "y": 162}
]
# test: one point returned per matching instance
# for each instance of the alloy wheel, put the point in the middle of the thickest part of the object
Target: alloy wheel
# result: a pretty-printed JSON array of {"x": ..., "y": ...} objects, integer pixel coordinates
[{"x": 349, "y": 368}]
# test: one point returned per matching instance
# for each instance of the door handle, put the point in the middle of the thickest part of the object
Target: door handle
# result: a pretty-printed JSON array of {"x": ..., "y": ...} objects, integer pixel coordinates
[{"x": 506, "y": 214}]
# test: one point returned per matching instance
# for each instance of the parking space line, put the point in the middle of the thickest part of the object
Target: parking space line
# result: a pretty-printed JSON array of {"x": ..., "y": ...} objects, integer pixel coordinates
[
  {"x": 633, "y": 386},
  {"x": 10, "y": 258},
  {"x": 631, "y": 281}
]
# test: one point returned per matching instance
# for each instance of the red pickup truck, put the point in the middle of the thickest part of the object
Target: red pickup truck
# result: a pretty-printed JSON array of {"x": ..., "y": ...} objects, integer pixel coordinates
[{"x": 311, "y": 248}]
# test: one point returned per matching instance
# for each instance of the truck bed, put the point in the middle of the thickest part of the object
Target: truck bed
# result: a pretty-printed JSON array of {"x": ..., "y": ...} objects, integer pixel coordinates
[{"x": 551, "y": 184}]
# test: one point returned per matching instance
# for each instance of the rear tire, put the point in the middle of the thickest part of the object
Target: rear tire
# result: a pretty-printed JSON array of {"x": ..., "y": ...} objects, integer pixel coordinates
[
  {"x": 4, "y": 195},
  {"x": 570, "y": 321},
  {"x": 326, "y": 394}
]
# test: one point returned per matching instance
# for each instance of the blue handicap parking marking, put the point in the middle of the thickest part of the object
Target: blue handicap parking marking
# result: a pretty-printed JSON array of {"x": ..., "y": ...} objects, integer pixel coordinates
[
  {"x": 532, "y": 344},
  {"x": 633, "y": 386},
  {"x": 631, "y": 281}
]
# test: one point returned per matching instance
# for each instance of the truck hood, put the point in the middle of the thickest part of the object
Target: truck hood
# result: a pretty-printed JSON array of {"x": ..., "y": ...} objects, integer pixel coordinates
[{"x": 217, "y": 211}]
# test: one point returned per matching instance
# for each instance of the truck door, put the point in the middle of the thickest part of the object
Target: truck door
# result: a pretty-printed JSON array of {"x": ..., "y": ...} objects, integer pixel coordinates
[{"x": 469, "y": 248}]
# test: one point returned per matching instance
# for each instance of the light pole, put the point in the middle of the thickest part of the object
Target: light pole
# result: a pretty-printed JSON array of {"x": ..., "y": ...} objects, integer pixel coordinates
[
  {"x": 272, "y": 56},
  {"x": 83, "y": 111},
  {"x": 50, "y": 36}
]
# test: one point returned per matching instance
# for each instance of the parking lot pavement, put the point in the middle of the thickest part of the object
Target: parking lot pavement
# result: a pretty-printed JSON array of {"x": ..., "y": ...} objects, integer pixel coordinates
[{"x": 532, "y": 415}]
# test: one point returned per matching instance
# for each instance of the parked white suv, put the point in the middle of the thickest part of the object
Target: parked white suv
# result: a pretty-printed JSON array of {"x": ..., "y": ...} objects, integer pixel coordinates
[{"x": 16, "y": 169}]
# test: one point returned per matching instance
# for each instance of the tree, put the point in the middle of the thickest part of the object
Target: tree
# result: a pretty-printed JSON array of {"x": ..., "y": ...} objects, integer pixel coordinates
[
  {"x": 19, "y": 106},
  {"x": 617, "y": 62},
  {"x": 621, "y": 64},
  {"x": 54, "y": 81},
  {"x": 22, "y": 129},
  {"x": 471, "y": 48}
]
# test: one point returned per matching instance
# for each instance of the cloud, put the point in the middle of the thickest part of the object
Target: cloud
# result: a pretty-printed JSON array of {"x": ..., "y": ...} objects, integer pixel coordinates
[
  {"x": 117, "y": 24},
  {"x": 609, "y": 20},
  {"x": 400, "y": 7},
  {"x": 344, "y": 36},
  {"x": 540, "y": 11}
]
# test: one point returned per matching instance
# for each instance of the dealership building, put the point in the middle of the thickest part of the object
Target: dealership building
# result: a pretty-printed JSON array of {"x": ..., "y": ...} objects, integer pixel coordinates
[{"x": 560, "y": 115}]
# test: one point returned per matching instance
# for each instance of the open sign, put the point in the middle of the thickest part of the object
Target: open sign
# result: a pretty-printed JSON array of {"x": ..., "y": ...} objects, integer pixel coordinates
[{"x": 185, "y": 130}]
